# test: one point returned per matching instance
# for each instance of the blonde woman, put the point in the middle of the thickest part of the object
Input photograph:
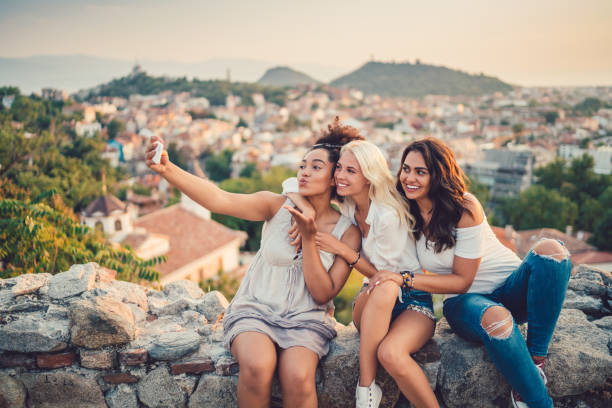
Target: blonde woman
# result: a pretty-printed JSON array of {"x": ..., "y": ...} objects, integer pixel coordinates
[{"x": 393, "y": 319}]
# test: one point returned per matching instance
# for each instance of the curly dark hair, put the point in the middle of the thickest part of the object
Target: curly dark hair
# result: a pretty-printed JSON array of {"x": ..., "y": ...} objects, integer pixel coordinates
[
  {"x": 332, "y": 140},
  {"x": 447, "y": 188}
]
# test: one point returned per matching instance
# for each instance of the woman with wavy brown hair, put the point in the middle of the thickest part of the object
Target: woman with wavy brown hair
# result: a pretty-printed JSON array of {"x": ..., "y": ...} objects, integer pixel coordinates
[{"x": 489, "y": 289}]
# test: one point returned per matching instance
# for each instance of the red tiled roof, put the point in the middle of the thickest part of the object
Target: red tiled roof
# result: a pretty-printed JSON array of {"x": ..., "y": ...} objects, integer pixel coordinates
[
  {"x": 105, "y": 204},
  {"x": 591, "y": 257},
  {"x": 191, "y": 237},
  {"x": 528, "y": 238}
]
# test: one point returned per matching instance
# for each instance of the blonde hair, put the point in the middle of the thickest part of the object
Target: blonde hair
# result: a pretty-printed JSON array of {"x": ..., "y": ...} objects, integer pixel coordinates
[{"x": 382, "y": 185}]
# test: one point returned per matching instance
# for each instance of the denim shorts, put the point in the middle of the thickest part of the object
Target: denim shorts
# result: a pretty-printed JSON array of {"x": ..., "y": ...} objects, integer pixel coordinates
[{"x": 416, "y": 300}]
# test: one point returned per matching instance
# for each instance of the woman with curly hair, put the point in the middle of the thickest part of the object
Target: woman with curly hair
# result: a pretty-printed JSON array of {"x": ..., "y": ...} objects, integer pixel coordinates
[
  {"x": 281, "y": 316},
  {"x": 489, "y": 288}
]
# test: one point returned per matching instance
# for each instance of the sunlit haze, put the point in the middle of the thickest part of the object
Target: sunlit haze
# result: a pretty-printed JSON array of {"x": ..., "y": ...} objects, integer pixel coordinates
[{"x": 523, "y": 42}]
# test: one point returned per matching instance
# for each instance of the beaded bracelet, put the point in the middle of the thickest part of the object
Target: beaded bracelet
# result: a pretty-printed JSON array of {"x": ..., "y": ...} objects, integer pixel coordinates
[
  {"x": 351, "y": 265},
  {"x": 408, "y": 277}
]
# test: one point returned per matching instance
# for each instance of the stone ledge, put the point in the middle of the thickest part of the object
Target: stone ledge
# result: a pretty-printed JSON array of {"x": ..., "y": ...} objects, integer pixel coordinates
[{"x": 175, "y": 357}]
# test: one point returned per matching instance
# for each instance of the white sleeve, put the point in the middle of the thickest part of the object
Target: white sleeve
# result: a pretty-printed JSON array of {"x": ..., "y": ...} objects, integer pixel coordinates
[
  {"x": 470, "y": 242},
  {"x": 290, "y": 186},
  {"x": 391, "y": 240}
]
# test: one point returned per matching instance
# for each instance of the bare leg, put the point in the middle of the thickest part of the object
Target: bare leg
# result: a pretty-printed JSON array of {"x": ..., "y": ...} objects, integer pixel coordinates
[
  {"x": 375, "y": 319},
  {"x": 296, "y": 371},
  {"x": 360, "y": 303},
  {"x": 256, "y": 354},
  {"x": 408, "y": 333}
]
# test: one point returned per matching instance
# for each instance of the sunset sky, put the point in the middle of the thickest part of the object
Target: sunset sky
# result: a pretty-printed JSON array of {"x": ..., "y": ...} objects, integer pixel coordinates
[{"x": 535, "y": 42}]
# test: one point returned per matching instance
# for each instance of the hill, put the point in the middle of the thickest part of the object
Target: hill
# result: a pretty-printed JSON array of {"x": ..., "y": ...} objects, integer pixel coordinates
[
  {"x": 285, "y": 76},
  {"x": 76, "y": 72},
  {"x": 214, "y": 90},
  {"x": 415, "y": 80}
]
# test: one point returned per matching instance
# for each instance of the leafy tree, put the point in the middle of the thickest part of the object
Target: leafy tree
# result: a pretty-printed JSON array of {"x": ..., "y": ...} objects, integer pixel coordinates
[
  {"x": 602, "y": 235},
  {"x": 551, "y": 117},
  {"x": 218, "y": 166},
  {"x": 43, "y": 235},
  {"x": 114, "y": 127},
  {"x": 176, "y": 156},
  {"x": 9, "y": 90},
  {"x": 242, "y": 123},
  {"x": 518, "y": 128},
  {"x": 553, "y": 174},
  {"x": 588, "y": 107},
  {"x": 222, "y": 282},
  {"x": 538, "y": 207},
  {"x": 590, "y": 212},
  {"x": 248, "y": 170},
  {"x": 252, "y": 228}
]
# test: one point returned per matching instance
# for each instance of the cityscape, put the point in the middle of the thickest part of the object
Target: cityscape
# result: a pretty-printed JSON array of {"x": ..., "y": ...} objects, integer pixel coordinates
[{"x": 114, "y": 284}]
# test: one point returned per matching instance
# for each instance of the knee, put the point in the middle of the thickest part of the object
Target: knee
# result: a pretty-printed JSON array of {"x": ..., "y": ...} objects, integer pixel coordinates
[
  {"x": 297, "y": 381},
  {"x": 390, "y": 356},
  {"x": 383, "y": 294},
  {"x": 497, "y": 322},
  {"x": 551, "y": 248},
  {"x": 257, "y": 369}
]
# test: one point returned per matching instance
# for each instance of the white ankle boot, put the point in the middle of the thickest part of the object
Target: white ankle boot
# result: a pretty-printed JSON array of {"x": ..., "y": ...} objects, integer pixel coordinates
[{"x": 368, "y": 397}]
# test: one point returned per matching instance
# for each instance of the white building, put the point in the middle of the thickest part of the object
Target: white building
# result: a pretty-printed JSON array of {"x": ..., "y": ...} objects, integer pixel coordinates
[{"x": 87, "y": 129}]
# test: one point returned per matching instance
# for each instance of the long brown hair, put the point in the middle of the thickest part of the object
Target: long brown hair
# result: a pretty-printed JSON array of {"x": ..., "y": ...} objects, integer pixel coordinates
[{"x": 446, "y": 191}]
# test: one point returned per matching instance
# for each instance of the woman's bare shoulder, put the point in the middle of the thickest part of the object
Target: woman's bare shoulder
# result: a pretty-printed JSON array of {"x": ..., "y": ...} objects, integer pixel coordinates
[{"x": 475, "y": 214}]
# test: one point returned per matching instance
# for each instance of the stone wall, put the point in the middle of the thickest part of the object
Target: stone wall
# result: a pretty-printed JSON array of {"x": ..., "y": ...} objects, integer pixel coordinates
[{"x": 83, "y": 339}]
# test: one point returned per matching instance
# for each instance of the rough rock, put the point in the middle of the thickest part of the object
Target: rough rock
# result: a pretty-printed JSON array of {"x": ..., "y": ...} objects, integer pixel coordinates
[
  {"x": 174, "y": 307},
  {"x": 25, "y": 303},
  {"x": 588, "y": 286},
  {"x": 62, "y": 389},
  {"x": 12, "y": 392},
  {"x": 56, "y": 312},
  {"x": 100, "y": 322},
  {"x": 33, "y": 332},
  {"x": 76, "y": 280},
  {"x": 604, "y": 323},
  {"x": 170, "y": 346},
  {"x": 183, "y": 289},
  {"x": 586, "y": 303},
  {"x": 579, "y": 358},
  {"x": 158, "y": 389},
  {"x": 122, "y": 396},
  {"x": 467, "y": 376},
  {"x": 212, "y": 305},
  {"x": 125, "y": 292},
  {"x": 339, "y": 372},
  {"x": 215, "y": 391},
  {"x": 186, "y": 383},
  {"x": 30, "y": 283}
]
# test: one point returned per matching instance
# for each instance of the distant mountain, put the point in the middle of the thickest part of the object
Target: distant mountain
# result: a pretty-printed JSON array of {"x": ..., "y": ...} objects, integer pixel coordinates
[
  {"x": 285, "y": 76},
  {"x": 415, "y": 80},
  {"x": 75, "y": 72}
]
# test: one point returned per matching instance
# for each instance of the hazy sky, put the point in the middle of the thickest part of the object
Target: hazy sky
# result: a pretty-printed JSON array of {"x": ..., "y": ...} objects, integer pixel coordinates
[{"x": 532, "y": 42}]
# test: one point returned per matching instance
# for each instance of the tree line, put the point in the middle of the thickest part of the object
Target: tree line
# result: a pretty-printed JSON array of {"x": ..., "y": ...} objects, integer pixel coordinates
[{"x": 48, "y": 175}]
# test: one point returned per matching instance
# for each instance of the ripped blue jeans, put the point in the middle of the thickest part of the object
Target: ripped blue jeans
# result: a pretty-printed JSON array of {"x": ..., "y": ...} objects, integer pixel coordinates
[{"x": 534, "y": 293}]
